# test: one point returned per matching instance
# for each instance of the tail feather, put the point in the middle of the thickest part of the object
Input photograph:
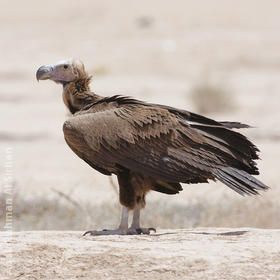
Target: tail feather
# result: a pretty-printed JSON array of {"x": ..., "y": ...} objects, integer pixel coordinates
[
  {"x": 237, "y": 125},
  {"x": 239, "y": 180}
]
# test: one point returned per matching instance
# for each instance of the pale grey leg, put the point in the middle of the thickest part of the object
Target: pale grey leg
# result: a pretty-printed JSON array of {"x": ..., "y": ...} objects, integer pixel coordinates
[
  {"x": 124, "y": 219},
  {"x": 135, "y": 225},
  {"x": 136, "y": 217},
  {"x": 123, "y": 227},
  {"x": 122, "y": 230}
]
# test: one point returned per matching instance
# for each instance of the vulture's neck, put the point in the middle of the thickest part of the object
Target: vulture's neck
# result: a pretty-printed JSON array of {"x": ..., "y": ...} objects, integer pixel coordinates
[{"x": 77, "y": 95}]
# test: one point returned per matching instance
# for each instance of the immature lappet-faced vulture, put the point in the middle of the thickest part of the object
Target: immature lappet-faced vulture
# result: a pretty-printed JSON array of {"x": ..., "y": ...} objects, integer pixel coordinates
[{"x": 149, "y": 146}]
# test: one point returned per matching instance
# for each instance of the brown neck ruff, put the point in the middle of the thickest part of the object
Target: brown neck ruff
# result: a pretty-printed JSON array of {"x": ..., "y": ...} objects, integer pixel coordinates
[{"x": 77, "y": 95}]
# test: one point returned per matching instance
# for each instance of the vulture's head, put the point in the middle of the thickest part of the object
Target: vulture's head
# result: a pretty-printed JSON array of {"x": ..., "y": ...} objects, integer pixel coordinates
[{"x": 62, "y": 72}]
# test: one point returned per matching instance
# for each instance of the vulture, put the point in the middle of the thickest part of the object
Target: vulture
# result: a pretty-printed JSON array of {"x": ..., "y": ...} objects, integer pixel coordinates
[{"x": 149, "y": 147}]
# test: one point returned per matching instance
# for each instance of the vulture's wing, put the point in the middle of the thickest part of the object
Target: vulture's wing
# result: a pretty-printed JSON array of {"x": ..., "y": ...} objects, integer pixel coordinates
[
  {"x": 201, "y": 120},
  {"x": 153, "y": 141}
]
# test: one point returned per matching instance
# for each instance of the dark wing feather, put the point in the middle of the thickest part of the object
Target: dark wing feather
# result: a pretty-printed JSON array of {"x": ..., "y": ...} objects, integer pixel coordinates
[{"x": 201, "y": 120}]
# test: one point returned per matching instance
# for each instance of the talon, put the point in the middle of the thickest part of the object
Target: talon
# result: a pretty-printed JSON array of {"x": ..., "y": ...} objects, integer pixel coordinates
[
  {"x": 87, "y": 232},
  {"x": 144, "y": 230}
]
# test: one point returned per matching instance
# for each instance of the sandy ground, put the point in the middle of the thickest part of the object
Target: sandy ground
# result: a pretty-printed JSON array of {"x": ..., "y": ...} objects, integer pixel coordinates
[{"x": 202, "y": 253}]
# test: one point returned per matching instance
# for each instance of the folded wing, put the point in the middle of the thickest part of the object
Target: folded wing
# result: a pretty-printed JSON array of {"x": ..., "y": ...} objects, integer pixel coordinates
[{"x": 159, "y": 143}]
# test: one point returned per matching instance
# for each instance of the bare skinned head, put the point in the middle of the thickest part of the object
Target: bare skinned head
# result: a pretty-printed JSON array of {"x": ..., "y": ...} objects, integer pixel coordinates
[{"x": 62, "y": 72}]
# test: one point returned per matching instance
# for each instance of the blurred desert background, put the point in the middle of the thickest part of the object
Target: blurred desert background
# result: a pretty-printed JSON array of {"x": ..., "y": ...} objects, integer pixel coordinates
[{"x": 217, "y": 58}]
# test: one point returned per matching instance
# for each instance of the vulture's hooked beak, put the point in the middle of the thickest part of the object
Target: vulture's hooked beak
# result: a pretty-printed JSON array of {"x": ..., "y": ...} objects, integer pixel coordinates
[{"x": 44, "y": 72}]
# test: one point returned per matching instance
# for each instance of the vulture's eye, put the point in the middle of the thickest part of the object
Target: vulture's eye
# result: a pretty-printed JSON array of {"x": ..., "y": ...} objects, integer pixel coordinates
[{"x": 65, "y": 66}]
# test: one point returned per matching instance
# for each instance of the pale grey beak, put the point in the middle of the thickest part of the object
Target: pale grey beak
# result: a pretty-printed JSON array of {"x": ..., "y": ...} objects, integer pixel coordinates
[{"x": 44, "y": 72}]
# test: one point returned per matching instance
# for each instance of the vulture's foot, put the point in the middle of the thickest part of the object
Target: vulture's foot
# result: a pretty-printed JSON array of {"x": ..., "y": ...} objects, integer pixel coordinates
[
  {"x": 130, "y": 231},
  {"x": 140, "y": 230},
  {"x": 106, "y": 232}
]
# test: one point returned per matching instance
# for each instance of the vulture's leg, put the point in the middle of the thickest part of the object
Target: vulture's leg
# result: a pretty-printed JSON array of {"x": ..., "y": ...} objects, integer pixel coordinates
[
  {"x": 136, "y": 217},
  {"x": 135, "y": 225},
  {"x": 122, "y": 230}
]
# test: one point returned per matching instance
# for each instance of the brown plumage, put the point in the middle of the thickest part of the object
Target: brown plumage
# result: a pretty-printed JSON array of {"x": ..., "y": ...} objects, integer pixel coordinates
[{"x": 150, "y": 146}]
